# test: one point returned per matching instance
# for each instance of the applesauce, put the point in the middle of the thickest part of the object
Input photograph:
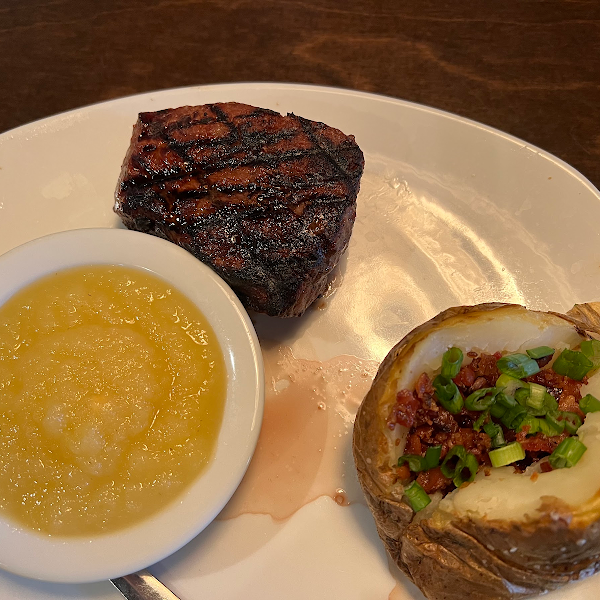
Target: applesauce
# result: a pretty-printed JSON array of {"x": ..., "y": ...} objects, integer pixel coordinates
[{"x": 112, "y": 392}]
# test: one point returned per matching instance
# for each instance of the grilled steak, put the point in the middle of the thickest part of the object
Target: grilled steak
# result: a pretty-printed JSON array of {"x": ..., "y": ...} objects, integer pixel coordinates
[{"x": 268, "y": 201}]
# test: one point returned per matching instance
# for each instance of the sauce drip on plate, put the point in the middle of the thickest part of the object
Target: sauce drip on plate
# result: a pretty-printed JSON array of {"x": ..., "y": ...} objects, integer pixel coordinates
[{"x": 305, "y": 445}]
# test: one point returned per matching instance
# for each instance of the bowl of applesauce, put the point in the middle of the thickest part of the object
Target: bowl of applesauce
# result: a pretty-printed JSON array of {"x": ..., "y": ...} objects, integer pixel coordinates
[{"x": 131, "y": 399}]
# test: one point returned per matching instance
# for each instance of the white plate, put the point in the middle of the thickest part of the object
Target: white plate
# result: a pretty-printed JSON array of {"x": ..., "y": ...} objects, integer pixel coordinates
[{"x": 450, "y": 212}]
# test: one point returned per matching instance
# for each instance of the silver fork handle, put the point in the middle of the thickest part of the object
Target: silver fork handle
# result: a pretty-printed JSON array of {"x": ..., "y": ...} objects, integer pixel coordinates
[{"x": 143, "y": 586}]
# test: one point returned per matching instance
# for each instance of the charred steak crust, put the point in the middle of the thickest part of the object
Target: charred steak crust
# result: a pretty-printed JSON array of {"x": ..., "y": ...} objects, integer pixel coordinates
[{"x": 268, "y": 201}]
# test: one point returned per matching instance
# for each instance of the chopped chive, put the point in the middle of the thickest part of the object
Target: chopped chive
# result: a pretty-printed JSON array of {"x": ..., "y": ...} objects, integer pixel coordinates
[
  {"x": 451, "y": 362},
  {"x": 448, "y": 394},
  {"x": 540, "y": 352},
  {"x": 591, "y": 349},
  {"x": 481, "y": 399},
  {"x": 506, "y": 455},
  {"x": 573, "y": 364},
  {"x": 467, "y": 471},
  {"x": 452, "y": 462},
  {"x": 517, "y": 365},
  {"x": 572, "y": 422},
  {"x": 589, "y": 404},
  {"x": 567, "y": 453},
  {"x": 417, "y": 497}
]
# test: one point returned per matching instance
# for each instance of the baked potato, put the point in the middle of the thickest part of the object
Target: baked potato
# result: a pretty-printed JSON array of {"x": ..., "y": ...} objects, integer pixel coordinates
[{"x": 513, "y": 531}]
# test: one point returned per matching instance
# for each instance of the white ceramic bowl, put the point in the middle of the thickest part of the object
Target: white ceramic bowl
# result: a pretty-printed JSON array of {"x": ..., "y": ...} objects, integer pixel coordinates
[{"x": 86, "y": 559}]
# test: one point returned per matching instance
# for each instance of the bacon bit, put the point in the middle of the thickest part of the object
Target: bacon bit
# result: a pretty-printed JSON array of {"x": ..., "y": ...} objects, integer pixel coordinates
[
  {"x": 465, "y": 377},
  {"x": 413, "y": 445},
  {"x": 542, "y": 362},
  {"x": 475, "y": 442},
  {"x": 403, "y": 472},
  {"x": 546, "y": 467},
  {"x": 433, "y": 480},
  {"x": 424, "y": 388},
  {"x": 479, "y": 383},
  {"x": 534, "y": 476},
  {"x": 472, "y": 354},
  {"x": 540, "y": 442},
  {"x": 485, "y": 366},
  {"x": 566, "y": 390},
  {"x": 405, "y": 410},
  {"x": 569, "y": 403}
]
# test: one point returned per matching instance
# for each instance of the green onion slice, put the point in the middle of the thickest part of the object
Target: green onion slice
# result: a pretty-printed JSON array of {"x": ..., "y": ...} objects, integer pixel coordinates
[
  {"x": 448, "y": 394},
  {"x": 513, "y": 416},
  {"x": 481, "y": 399},
  {"x": 517, "y": 365},
  {"x": 417, "y": 497},
  {"x": 506, "y": 455},
  {"x": 497, "y": 410},
  {"x": 572, "y": 364},
  {"x": 522, "y": 395},
  {"x": 589, "y": 404},
  {"x": 540, "y": 352},
  {"x": 572, "y": 422},
  {"x": 480, "y": 420},
  {"x": 496, "y": 434},
  {"x": 552, "y": 424},
  {"x": 567, "y": 453},
  {"x": 531, "y": 422},
  {"x": 550, "y": 402},
  {"x": 591, "y": 349},
  {"x": 418, "y": 463},
  {"x": 453, "y": 461},
  {"x": 451, "y": 362},
  {"x": 467, "y": 471},
  {"x": 537, "y": 396},
  {"x": 415, "y": 462},
  {"x": 510, "y": 385},
  {"x": 506, "y": 400}
]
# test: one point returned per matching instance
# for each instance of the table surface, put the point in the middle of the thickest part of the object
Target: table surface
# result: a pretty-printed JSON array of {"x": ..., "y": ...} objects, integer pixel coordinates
[{"x": 530, "y": 68}]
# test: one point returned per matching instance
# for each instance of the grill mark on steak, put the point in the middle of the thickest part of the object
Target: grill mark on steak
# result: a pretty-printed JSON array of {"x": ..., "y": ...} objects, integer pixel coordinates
[{"x": 268, "y": 201}]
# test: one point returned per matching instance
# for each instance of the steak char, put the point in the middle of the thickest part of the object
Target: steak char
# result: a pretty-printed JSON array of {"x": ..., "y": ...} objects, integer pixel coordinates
[{"x": 268, "y": 201}]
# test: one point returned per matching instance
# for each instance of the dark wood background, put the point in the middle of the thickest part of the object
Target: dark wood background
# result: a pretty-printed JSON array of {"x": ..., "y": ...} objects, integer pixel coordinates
[{"x": 530, "y": 67}]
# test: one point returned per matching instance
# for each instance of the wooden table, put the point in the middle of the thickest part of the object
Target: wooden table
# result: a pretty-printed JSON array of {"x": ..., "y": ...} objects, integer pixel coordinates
[{"x": 529, "y": 68}]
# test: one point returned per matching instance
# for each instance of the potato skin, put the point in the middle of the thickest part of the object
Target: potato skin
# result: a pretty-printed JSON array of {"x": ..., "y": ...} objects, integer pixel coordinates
[{"x": 452, "y": 558}]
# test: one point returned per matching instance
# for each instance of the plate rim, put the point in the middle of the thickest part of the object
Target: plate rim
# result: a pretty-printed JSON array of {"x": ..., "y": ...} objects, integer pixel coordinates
[{"x": 317, "y": 89}]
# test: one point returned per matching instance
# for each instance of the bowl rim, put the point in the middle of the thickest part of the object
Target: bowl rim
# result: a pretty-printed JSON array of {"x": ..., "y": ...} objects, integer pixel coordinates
[{"x": 99, "y": 557}]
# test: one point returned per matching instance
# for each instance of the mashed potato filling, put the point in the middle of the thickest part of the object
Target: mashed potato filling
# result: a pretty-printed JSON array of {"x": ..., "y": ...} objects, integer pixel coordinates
[
  {"x": 506, "y": 495},
  {"x": 112, "y": 390},
  {"x": 513, "y": 331}
]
